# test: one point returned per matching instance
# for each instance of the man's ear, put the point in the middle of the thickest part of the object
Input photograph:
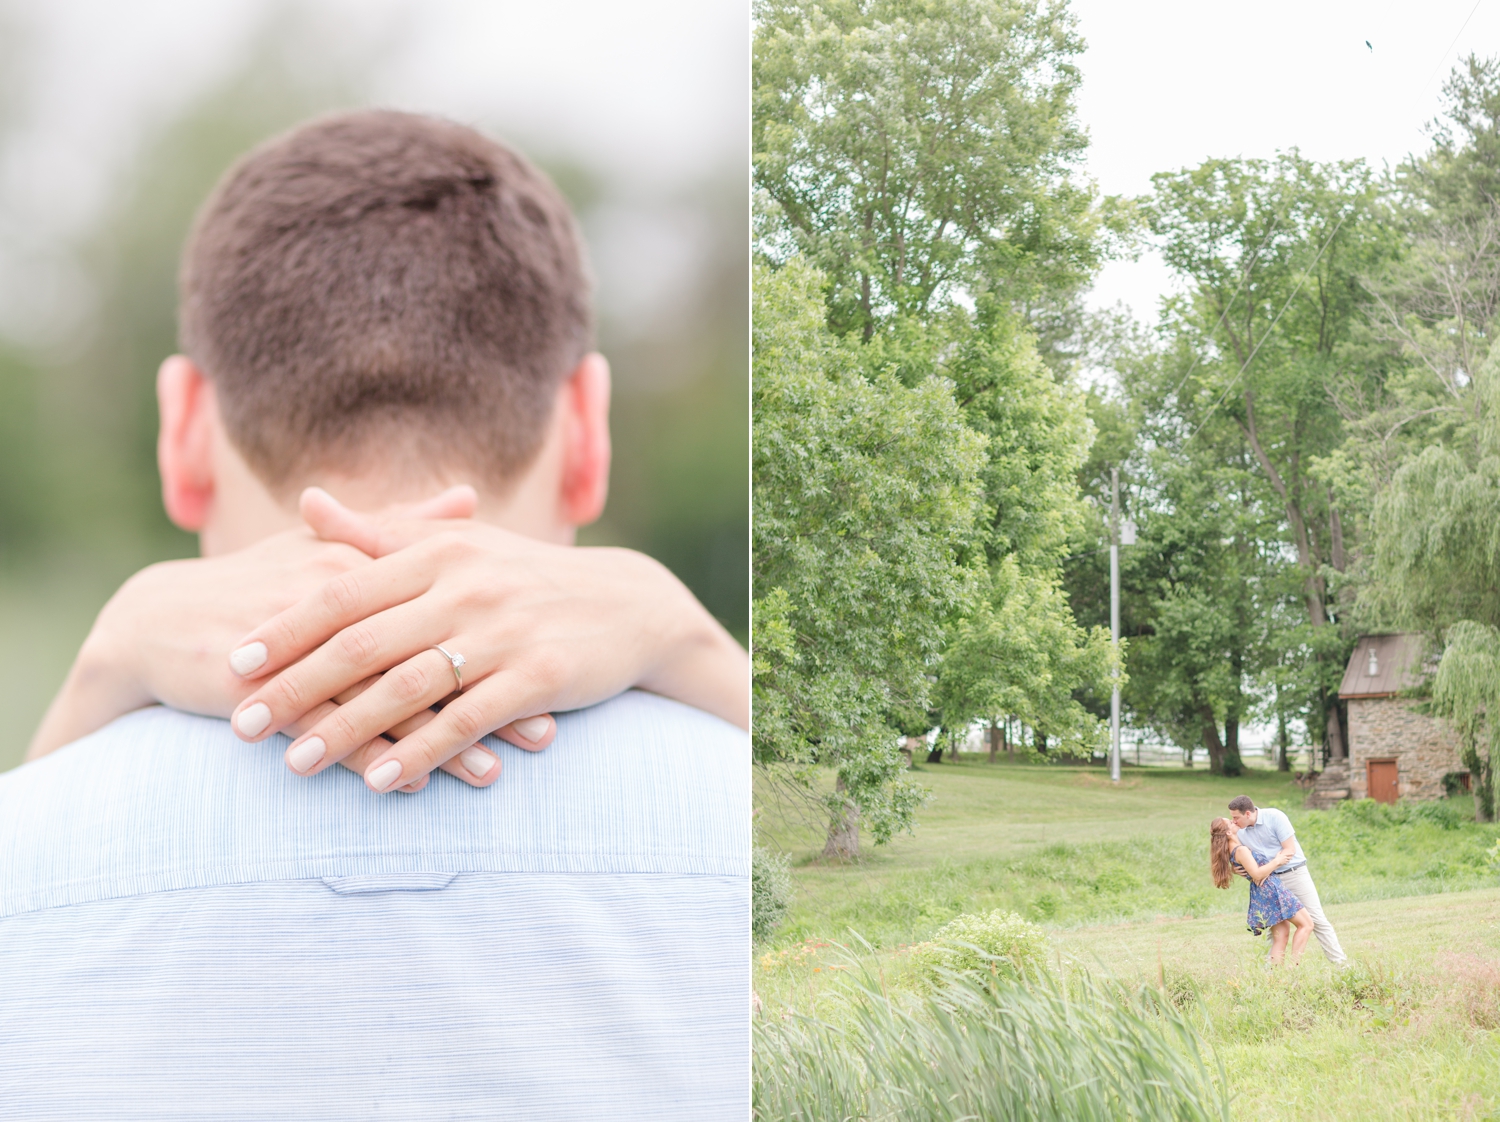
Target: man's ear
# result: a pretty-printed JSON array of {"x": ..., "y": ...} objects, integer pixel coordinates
[
  {"x": 586, "y": 449},
  {"x": 184, "y": 446}
]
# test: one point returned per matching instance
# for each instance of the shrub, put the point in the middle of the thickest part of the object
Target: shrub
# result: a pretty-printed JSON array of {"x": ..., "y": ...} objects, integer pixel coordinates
[
  {"x": 988, "y": 1048},
  {"x": 770, "y": 892},
  {"x": 1000, "y": 942}
]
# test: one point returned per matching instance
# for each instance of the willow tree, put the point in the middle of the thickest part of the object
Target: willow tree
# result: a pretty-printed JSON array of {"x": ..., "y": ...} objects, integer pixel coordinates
[{"x": 1466, "y": 690}]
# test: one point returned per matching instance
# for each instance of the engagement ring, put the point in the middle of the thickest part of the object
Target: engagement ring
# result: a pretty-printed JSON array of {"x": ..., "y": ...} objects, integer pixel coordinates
[{"x": 457, "y": 662}]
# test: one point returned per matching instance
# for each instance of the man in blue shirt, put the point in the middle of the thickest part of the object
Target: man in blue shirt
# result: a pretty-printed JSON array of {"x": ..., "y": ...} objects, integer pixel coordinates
[
  {"x": 188, "y": 929},
  {"x": 1268, "y": 831}
]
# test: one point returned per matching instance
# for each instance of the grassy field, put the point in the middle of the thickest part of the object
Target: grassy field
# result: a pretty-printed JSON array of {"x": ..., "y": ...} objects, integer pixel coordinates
[{"x": 1118, "y": 879}]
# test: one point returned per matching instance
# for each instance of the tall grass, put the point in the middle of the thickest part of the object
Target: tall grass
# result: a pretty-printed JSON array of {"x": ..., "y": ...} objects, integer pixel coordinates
[{"x": 987, "y": 1048}]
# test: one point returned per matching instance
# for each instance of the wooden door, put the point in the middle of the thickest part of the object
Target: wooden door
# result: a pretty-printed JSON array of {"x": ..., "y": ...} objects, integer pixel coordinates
[{"x": 1382, "y": 776}]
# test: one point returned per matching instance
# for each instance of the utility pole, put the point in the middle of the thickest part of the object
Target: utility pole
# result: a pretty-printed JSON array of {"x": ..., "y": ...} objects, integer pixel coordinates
[{"x": 1114, "y": 622}]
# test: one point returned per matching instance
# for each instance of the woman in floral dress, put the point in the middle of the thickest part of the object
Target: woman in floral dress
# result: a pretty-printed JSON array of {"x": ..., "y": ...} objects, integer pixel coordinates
[{"x": 1271, "y": 905}]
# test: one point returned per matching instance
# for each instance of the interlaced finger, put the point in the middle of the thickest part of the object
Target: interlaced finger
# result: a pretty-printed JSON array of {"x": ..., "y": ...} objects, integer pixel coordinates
[
  {"x": 401, "y": 692},
  {"x": 478, "y": 711},
  {"x": 340, "y": 603},
  {"x": 370, "y": 647}
]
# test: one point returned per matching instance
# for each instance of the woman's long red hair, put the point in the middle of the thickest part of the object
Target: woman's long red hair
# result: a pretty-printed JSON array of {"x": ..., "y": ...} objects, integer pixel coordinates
[{"x": 1219, "y": 852}]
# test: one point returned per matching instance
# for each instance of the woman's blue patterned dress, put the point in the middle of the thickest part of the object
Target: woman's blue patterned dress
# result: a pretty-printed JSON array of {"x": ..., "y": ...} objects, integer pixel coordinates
[{"x": 1270, "y": 903}]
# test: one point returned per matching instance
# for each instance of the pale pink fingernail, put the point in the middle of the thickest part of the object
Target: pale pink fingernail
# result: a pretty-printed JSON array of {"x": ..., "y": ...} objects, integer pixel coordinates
[
  {"x": 379, "y": 778},
  {"x": 477, "y": 762},
  {"x": 250, "y": 657},
  {"x": 307, "y": 755},
  {"x": 532, "y": 728},
  {"x": 253, "y": 721}
]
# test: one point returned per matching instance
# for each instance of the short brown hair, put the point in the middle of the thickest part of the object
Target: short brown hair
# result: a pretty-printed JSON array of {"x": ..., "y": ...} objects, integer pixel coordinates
[
  {"x": 378, "y": 278},
  {"x": 1241, "y": 803}
]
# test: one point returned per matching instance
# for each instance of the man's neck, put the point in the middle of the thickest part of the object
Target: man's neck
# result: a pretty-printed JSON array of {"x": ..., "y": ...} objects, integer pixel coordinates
[{"x": 244, "y": 510}]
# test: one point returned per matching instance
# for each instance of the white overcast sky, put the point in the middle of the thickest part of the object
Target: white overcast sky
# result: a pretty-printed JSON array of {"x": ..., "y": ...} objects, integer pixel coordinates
[
  {"x": 651, "y": 94},
  {"x": 651, "y": 90},
  {"x": 1169, "y": 83}
]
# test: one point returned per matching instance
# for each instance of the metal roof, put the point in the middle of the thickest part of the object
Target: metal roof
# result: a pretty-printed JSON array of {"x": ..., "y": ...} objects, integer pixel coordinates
[{"x": 1395, "y": 662}]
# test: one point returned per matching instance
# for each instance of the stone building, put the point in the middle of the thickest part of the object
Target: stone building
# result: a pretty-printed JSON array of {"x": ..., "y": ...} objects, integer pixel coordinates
[{"x": 1394, "y": 751}]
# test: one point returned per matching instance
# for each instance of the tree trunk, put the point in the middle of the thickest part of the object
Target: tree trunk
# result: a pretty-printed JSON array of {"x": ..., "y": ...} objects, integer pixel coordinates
[
  {"x": 1334, "y": 744},
  {"x": 994, "y": 740},
  {"x": 911, "y": 747},
  {"x": 1481, "y": 782},
  {"x": 935, "y": 755},
  {"x": 843, "y": 830},
  {"x": 1039, "y": 738},
  {"x": 953, "y": 747},
  {"x": 1283, "y": 755},
  {"x": 1233, "y": 765},
  {"x": 1212, "y": 743}
]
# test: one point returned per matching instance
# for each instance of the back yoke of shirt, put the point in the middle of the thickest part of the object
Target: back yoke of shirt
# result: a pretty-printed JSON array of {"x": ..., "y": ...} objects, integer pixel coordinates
[{"x": 188, "y": 930}]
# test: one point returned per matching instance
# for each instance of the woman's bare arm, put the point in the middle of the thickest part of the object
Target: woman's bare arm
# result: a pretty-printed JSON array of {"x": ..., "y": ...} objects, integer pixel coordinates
[{"x": 1257, "y": 873}]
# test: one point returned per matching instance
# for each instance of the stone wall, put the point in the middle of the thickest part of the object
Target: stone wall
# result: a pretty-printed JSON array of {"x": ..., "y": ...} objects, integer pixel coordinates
[{"x": 1424, "y": 748}]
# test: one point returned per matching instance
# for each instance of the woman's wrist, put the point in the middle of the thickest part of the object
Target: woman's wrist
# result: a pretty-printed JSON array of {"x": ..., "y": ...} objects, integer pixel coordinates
[
  {"x": 101, "y": 685},
  {"x": 700, "y": 663}
]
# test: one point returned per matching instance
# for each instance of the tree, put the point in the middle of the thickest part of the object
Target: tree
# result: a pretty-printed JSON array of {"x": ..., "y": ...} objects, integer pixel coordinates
[
  {"x": 1431, "y": 440},
  {"x": 915, "y": 150},
  {"x": 865, "y": 498},
  {"x": 1466, "y": 689},
  {"x": 1273, "y": 253},
  {"x": 1019, "y": 654},
  {"x": 1436, "y": 568}
]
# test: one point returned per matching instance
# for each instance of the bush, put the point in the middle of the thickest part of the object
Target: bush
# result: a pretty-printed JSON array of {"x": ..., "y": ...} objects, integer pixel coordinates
[
  {"x": 988, "y": 1048},
  {"x": 1000, "y": 943},
  {"x": 770, "y": 892}
]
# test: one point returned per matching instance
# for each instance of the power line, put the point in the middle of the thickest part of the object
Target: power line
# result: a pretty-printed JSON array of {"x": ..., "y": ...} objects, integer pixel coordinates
[
  {"x": 1244, "y": 279},
  {"x": 1235, "y": 380},
  {"x": 1444, "y": 58}
]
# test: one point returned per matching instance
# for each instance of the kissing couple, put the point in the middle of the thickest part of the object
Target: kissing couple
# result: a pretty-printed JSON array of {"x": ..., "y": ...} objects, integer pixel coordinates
[{"x": 1258, "y": 843}]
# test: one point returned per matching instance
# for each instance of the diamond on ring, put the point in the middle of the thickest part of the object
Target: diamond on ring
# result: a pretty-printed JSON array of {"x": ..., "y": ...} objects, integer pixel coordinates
[{"x": 457, "y": 661}]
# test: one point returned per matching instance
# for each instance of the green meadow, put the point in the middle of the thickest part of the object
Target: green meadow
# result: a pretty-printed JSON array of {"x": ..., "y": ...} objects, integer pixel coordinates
[{"x": 1117, "y": 878}]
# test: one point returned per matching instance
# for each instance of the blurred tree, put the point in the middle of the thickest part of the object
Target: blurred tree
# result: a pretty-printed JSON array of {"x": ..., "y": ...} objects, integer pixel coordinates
[
  {"x": 78, "y": 481},
  {"x": 681, "y": 424}
]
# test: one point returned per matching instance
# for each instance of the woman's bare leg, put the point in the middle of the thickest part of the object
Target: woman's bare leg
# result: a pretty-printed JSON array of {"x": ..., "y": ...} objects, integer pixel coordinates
[
  {"x": 1278, "y": 941},
  {"x": 1304, "y": 925}
]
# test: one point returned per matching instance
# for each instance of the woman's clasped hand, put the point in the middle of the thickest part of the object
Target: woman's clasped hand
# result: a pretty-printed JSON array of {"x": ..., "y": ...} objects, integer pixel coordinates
[{"x": 346, "y": 621}]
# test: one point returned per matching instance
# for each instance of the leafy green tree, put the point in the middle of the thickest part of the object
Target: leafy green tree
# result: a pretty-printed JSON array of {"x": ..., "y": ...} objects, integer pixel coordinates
[
  {"x": 1273, "y": 253},
  {"x": 1426, "y": 449},
  {"x": 865, "y": 498},
  {"x": 924, "y": 155},
  {"x": 915, "y": 150},
  {"x": 1466, "y": 689},
  {"x": 1020, "y": 654},
  {"x": 1208, "y": 589},
  {"x": 1436, "y": 568}
]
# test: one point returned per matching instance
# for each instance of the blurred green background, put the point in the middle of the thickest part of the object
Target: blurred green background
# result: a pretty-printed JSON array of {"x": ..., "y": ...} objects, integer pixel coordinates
[{"x": 96, "y": 197}]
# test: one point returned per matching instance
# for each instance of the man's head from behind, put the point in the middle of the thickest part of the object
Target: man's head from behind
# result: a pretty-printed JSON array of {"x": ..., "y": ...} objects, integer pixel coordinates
[
  {"x": 382, "y": 303},
  {"x": 1243, "y": 811}
]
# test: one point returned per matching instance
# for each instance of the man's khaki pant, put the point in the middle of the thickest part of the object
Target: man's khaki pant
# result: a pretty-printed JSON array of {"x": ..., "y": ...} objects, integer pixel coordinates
[{"x": 1299, "y": 883}]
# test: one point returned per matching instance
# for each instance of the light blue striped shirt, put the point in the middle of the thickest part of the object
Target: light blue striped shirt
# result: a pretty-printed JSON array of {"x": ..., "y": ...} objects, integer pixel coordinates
[{"x": 188, "y": 930}]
